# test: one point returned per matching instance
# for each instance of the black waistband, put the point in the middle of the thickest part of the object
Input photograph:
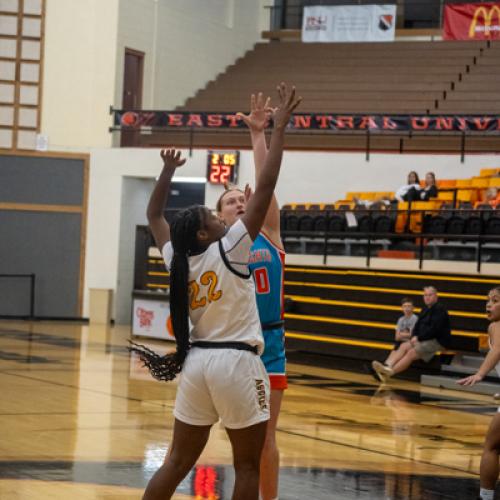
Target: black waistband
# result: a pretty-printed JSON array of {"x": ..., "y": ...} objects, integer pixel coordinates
[
  {"x": 273, "y": 326},
  {"x": 241, "y": 346}
]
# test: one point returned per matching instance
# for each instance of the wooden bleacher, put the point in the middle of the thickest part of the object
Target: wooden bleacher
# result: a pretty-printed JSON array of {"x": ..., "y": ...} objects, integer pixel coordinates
[{"x": 401, "y": 77}]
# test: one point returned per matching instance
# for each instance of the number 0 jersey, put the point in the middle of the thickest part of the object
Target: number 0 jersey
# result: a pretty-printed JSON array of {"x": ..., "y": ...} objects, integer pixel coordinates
[
  {"x": 222, "y": 305},
  {"x": 267, "y": 263}
]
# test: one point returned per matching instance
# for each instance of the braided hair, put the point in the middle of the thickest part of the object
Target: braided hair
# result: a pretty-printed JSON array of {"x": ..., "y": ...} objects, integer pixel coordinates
[{"x": 183, "y": 233}]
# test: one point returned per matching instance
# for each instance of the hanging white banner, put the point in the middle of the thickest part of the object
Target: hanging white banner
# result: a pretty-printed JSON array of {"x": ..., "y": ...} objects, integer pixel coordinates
[{"x": 353, "y": 23}]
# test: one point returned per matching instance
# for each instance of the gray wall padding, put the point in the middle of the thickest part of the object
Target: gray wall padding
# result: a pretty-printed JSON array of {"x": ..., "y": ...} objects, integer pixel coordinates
[
  {"x": 44, "y": 243},
  {"x": 47, "y": 244},
  {"x": 51, "y": 181}
]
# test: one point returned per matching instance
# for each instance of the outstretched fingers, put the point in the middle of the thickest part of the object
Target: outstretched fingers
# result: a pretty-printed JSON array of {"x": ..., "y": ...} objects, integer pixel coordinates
[
  {"x": 172, "y": 157},
  {"x": 252, "y": 102},
  {"x": 295, "y": 103}
]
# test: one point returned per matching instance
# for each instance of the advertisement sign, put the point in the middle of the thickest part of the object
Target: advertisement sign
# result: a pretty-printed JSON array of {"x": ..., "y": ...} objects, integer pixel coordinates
[
  {"x": 472, "y": 21},
  {"x": 349, "y": 23},
  {"x": 150, "y": 318},
  {"x": 340, "y": 122}
]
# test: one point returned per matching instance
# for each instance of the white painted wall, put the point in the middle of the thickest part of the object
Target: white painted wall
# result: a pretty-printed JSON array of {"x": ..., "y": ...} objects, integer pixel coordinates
[
  {"x": 79, "y": 73},
  {"x": 186, "y": 43},
  {"x": 135, "y": 196},
  {"x": 306, "y": 176},
  {"x": 197, "y": 39},
  {"x": 137, "y": 29}
]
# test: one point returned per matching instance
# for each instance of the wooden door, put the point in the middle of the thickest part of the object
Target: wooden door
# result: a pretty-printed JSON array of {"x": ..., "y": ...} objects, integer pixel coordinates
[{"x": 132, "y": 91}]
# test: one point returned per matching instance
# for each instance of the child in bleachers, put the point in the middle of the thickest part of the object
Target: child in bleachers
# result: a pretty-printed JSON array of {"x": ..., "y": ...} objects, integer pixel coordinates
[{"x": 404, "y": 328}]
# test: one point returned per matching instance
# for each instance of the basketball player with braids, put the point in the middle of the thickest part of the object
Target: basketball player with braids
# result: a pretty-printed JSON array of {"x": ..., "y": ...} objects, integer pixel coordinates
[
  {"x": 223, "y": 376},
  {"x": 267, "y": 266},
  {"x": 491, "y": 451}
]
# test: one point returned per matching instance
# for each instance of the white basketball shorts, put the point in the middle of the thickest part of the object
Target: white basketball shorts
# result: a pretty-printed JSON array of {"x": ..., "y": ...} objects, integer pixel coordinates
[{"x": 222, "y": 383}]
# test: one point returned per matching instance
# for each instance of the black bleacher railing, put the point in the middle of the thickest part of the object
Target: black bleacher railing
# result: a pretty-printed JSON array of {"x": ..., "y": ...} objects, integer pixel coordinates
[
  {"x": 32, "y": 279},
  {"x": 462, "y": 233}
]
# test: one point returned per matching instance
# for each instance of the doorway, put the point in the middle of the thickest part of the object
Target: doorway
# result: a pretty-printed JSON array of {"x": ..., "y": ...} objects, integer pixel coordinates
[{"x": 132, "y": 91}]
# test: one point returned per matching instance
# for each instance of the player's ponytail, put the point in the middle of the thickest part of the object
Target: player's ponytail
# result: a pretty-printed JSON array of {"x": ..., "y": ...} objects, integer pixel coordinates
[{"x": 183, "y": 234}]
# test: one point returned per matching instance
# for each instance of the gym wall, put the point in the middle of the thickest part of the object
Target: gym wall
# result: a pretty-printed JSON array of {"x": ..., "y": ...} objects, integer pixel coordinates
[
  {"x": 79, "y": 73},
  {"x": 42, "y": 221},
  {"x": 186, "y": 43},
  {"x": 189, "y": 42},
  {"x": 305, "y": 177}
]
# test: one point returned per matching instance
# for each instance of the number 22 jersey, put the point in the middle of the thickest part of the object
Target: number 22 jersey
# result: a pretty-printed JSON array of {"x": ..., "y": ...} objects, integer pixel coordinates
[{"x": 222, "y": 304}]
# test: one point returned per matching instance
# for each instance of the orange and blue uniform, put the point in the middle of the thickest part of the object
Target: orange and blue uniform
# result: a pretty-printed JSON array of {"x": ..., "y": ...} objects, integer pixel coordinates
[{"x": 267, "y": 262}]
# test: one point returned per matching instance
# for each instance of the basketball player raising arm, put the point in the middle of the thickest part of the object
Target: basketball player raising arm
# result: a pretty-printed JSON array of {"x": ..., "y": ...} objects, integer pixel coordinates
[
  {"x": 222, "y": 377},
  {"x": 267, "y": 261},
  {"x": 491, "y": 449}
]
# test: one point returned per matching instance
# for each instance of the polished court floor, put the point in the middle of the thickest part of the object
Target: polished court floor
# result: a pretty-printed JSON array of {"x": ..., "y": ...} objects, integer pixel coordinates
[{"x": 80, "y": 419}]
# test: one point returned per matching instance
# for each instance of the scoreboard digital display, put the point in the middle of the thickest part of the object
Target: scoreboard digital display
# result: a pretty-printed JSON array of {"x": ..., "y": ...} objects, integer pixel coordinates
[{"x": 222, "y": 167}]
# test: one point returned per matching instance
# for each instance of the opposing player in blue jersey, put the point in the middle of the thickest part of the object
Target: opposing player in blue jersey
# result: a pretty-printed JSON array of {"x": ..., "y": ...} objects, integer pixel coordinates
[{"x": 267, "y": 265}]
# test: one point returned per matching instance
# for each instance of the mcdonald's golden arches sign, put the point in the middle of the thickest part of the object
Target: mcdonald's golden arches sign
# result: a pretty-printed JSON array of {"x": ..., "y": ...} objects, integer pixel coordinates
[{"x": 472, "y": 21}]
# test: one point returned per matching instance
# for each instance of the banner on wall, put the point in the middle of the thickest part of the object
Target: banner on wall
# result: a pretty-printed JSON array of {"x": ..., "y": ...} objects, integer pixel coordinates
[
  {"x": 472, "y": 21},
  {"x": 151, "y": 120},
  {"x": 349, "y": 23}
]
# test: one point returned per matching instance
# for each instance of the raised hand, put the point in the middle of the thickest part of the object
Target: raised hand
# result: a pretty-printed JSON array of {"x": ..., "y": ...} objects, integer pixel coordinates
[
  {"x": 172, "y": 158},
  {"x": 260, "y": 111},
  {"x": 288, "y": 103}
]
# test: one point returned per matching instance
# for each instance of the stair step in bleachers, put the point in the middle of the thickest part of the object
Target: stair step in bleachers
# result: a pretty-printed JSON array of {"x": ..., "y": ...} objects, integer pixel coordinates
[
  {"x": 351, "y": 313},
  {"x": 445, "y": 382}
]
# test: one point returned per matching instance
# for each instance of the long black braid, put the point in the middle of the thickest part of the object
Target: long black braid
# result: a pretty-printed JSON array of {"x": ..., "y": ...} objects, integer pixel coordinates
[{"x": 183, "y": 234}]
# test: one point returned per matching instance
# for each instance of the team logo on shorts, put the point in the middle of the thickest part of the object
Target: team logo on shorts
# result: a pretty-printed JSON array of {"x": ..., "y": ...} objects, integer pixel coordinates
[{"x": 261, "y": 394}]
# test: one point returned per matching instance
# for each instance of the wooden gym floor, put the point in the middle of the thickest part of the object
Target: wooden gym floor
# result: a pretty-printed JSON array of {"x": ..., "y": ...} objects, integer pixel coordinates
[{"x": 80, "y": 420}]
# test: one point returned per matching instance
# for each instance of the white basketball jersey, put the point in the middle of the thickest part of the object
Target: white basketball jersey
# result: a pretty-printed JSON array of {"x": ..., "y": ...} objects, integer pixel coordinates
[
  {"x": 222, "y": 304},
  {"x": 497, "y": 366}
]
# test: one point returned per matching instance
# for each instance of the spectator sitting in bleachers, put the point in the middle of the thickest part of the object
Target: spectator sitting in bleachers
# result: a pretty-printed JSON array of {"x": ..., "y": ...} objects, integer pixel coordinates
[
  {"x": 376, "y": 204},
  {"x": 411, "y": 190},
  {"x": 404, "y": 328},
  {"x": 432, "y": 333},
  {"x": 430, "y": 189},
  {"x": 491, "y": 197}
]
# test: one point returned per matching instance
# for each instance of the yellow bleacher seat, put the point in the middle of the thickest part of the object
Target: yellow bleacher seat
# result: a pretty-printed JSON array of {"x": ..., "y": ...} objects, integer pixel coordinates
[
  {"x": 480, "y": 182},
  {"x": 446, "y": 183},
  {"x": 351, "y": 195},
  {"x": 367, "y": 195},
  {"x": 488, "y": 172},
  {"x": 423, "y": 205},
  {"x": 494, "y": 182},
  {"x": 463, "y": 183},
  {"x": 344, "y": 203},
  {"x": 445, "y": 196},
  {"x": 469, "y": 195}
]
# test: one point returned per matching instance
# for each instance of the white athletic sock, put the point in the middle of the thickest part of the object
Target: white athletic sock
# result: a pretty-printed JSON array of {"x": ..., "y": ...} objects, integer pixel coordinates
[{"x": 486, "y": 494}]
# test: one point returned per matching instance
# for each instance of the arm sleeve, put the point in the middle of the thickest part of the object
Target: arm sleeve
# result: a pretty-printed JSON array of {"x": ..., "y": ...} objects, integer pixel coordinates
[
  {"x": 398, "y": 324},
  {"x": 167, "y": 253}
]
